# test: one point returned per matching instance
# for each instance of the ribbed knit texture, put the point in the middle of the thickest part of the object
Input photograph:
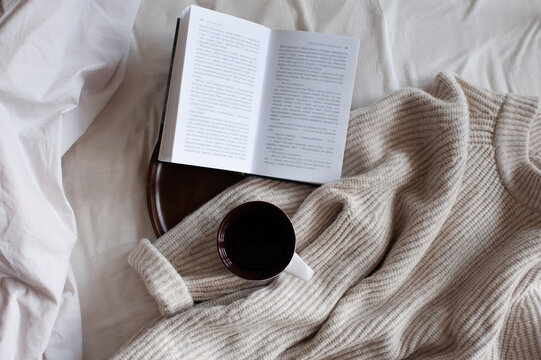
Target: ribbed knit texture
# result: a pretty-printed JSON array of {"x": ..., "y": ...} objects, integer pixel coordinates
[{"x": 428, "y": 247}]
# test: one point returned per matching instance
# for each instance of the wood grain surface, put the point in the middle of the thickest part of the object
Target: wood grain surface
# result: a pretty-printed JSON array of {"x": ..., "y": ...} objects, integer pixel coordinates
[{"x": 174, "y": 191}]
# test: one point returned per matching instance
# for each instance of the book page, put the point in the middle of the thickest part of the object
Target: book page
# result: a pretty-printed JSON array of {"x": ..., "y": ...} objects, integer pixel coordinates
[
  {"x": 305, "y": 107},
  {"x": 220, "y": 92}
]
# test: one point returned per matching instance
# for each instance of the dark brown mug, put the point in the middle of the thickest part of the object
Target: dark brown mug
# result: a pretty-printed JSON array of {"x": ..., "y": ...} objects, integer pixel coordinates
[{"x": 256, "y": 241}]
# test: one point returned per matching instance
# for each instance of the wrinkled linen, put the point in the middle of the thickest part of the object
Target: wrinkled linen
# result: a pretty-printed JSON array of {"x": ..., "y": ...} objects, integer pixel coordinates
[
  {"x": 494, "y": 44},
  {"x": 60, "y": 61}
]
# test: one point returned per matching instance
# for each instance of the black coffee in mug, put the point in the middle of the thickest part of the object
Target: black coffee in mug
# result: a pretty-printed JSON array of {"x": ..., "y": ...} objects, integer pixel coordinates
[{"x": 256, "y": 240}]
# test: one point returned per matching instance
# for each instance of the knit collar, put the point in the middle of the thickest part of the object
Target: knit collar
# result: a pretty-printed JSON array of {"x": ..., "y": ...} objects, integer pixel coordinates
[
  {"x": 514, "y": 142},
  {"x": 516, "y": 123}
]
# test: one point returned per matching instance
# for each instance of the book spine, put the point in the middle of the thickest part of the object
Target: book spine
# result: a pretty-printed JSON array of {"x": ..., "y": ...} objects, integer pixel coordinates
[{"x": 168, "y": 83}]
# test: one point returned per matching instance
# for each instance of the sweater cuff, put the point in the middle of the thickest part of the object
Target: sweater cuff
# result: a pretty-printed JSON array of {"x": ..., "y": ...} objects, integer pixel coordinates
[{"x": 162, "y": 280}]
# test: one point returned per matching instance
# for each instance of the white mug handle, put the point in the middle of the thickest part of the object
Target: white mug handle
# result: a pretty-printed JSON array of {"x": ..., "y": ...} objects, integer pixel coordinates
[{"x": 297, "y": 267}]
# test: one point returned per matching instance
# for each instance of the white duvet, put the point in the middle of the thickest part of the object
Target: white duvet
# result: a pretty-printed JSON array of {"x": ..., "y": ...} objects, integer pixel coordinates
[
  {"x": 59, "y": 63},
  {"x": 64, "y": 64}
]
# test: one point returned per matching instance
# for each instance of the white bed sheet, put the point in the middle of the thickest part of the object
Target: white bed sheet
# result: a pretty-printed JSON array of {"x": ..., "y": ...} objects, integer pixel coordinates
[
  {"x": 493, "y": 44},
  {"x": 55, "y": 57}
]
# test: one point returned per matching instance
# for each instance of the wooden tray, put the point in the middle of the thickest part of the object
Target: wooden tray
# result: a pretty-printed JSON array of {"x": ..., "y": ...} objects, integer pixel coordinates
[{"x": 174, "y": 191}]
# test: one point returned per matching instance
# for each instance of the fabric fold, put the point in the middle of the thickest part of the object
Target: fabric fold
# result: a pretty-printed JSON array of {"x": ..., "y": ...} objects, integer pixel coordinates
[
  {"x": 163, "y": 282},
  {"x": 54, "y": 53}
]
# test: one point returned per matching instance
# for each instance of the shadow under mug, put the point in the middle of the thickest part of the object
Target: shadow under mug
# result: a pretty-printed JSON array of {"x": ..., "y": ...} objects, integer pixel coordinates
[{"x": 256, "y": 241}]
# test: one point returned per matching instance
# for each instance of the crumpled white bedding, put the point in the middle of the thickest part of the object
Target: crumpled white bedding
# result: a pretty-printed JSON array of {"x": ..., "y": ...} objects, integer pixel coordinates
[
  {"x": 59, "y": 63},
  {"x": 492, "y": 44}
]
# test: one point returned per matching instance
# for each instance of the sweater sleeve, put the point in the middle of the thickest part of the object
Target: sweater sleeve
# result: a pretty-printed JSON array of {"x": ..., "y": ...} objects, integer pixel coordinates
[
  {"x": 387, "y": 143},
  {"x": 183, "y": 265},
  {"x": 393, "y": 177},
  {"x": 343, "y": 229}
]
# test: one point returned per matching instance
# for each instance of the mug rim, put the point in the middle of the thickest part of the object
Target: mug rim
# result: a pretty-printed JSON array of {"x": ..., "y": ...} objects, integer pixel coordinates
[{"x": 238, "y": 270}]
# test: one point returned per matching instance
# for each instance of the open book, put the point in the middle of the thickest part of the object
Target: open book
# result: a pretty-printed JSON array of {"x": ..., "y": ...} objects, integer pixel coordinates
[{"x": 245, "y": 98}]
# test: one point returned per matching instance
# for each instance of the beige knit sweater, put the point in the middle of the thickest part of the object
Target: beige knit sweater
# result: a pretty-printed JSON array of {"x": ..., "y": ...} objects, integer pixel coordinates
[{"x": 428, "y": 247}]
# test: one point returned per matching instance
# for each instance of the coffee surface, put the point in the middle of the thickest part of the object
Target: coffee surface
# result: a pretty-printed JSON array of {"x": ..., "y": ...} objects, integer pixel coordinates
[{"x": 259, "y": 240}]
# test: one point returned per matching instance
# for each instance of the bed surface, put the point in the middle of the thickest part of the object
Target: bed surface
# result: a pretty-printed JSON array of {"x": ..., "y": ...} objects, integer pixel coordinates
[{"x": 495, "y": 45}]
